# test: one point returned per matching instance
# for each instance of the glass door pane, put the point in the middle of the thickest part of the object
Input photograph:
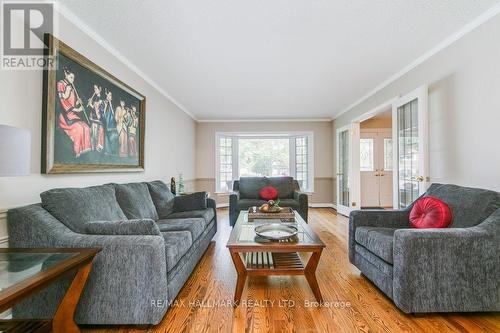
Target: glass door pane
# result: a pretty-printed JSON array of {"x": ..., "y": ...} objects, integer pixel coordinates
[
  {"x": 408, "y": 152},
  {"x": 343, "y": 168}
]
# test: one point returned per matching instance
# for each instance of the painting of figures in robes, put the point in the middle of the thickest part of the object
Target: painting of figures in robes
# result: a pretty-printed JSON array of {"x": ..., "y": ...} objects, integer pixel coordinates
[{"x": 92, "y": 122}]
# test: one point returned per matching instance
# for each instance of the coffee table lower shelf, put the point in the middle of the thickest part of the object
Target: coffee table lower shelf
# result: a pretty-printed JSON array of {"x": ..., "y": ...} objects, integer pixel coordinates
[
  {"x": 26, "y": 326},
  {"x": 274, "y": 263}
]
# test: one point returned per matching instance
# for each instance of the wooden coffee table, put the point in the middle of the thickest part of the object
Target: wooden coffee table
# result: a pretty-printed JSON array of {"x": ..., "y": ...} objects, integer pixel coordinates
[
  {"x": 256, "y": 256},
  {"x": 23, "y": 272}
]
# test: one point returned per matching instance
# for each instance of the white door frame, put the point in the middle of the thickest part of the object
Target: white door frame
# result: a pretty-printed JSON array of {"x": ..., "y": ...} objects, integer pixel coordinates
[
  {"x": 353, "y": 157},
  {"x": 422, "y": 94},
  {"x": 354, "y": 167}
]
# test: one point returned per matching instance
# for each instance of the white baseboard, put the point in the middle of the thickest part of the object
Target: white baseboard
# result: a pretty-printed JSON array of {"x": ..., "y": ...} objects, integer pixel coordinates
[
  {"x": 323, "y": 205},
  {"x": 222, "y": 205}
]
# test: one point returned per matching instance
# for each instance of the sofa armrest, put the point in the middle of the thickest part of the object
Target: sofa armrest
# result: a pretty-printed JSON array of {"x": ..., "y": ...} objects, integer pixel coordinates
[
  {"x": 442, "y": 270},
  {"x": 129, "y": 270},
  {"x": 211, "y": 203},
  {"x": 303, "y": 201},
  {"x": 127, "y": 227},
  {"x": 234, "y": 197},
  {"x": 375, "y": 218},
  {"x": 194, "y": 201}
]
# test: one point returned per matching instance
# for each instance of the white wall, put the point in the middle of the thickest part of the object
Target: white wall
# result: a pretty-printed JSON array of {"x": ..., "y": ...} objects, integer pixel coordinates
[
  {"x": 464, "y": 108},
  {"x": 170, "y": 133},
  {"x": 323, "y": 152}
]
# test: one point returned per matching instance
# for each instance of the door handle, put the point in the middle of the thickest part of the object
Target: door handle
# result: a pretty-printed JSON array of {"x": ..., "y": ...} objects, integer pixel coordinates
[{"x": 418, "y": 178}]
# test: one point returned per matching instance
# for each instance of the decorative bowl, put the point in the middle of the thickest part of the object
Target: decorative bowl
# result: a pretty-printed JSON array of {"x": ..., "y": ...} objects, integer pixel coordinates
[{"x": 276, "y": 231}]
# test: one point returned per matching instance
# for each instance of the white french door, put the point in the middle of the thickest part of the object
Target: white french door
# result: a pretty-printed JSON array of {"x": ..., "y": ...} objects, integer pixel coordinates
[
  {"x": 411, "y": 153},
  {"x": 347, "y": 155}
]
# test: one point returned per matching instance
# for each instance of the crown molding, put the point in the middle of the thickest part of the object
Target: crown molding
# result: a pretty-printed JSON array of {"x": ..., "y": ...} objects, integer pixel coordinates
[
  {"x": 484, "y": 17},
  {"x": 256, "y": 120},
  {"x": 74, "y": 19}
]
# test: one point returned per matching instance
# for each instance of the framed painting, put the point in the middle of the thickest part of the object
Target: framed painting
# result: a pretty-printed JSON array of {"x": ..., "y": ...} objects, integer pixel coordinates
[{"x": 92, "y": 121}]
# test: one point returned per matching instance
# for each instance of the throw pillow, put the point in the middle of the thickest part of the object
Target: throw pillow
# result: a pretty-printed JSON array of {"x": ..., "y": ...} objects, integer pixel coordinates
[
  {"x": 430, "y": 212},
  {"x": 194, "y": 201},
  {"x": 268, "y": 193}
]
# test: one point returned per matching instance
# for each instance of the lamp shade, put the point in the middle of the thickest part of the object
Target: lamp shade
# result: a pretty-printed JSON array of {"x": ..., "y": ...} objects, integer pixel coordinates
[{"x": 15, "y": 151}]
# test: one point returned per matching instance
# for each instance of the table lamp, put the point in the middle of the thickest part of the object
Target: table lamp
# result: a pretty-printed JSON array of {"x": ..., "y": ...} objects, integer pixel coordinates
[{"x": 15, "y": 151}]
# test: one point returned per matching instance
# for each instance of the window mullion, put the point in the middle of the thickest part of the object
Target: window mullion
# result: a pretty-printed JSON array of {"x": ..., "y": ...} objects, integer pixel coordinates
[
  {"x": 235, "y": 164},
  {"x": 293, "y": 158}
]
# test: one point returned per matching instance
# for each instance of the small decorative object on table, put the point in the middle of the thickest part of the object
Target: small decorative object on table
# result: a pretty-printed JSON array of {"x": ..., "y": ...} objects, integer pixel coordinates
[
  {"x": 271, "y": 210},
  {"x": 172, "y": 186}
]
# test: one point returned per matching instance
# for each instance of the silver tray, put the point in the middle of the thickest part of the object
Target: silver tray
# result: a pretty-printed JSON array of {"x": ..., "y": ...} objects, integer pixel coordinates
[{"x": 276, "y": 231}]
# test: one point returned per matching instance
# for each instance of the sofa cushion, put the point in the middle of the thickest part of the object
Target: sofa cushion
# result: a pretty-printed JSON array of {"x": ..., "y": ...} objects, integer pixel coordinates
[
  {"x": 290, "y": 203},
  {"x": 430, "y": 212},
  {"x": 135, "y": 201},
  {"x": 469, "y": 206},
  {"x": 379, "y": 241},
  {"x": 127, "y": 227},
  {"x": 207, "y": 214},
  {"x": 162, "y": 198},
  {"x": 75, "y": 207},
  {"x": 284, "y": 185},
  {"x": 250, "y": 187},
  {"x": 244, "y": 204},
  {"x": 194, "y": 225},
  {"x": 194, "y": 201},
  {"x": 177, "y": 243}
]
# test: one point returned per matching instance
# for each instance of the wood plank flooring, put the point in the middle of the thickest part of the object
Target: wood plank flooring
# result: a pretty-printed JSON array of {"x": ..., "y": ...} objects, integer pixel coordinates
[{"x": 279, "y": 303}]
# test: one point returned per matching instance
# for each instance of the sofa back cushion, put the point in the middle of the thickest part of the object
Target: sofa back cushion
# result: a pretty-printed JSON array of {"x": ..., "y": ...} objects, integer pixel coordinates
[
  {"x": 469, "y": 206},
  {"x": 75, "y": 207},
  {"x": 135, "y": 201},
  {"x": 162, "y": 198},
  {"x": 284, "y": 185},
  {"x": 250, "y": 187}
]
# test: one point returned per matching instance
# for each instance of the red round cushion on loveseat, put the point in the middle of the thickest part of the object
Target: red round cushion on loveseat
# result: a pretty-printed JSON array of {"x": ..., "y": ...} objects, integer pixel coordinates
[
  {"x": 430, "y": 212},
  {"x": 268, "y": 193}
]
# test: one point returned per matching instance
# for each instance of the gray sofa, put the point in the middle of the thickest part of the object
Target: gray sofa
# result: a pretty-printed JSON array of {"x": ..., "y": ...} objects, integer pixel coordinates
[
  {"x": 145, "y": 259},
  {"x": 246, "y": 194},
  {"x": 455, "y": 269}
]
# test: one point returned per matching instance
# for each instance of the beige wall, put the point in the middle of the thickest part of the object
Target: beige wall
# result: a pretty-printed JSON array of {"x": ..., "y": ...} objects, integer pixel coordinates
[
  {"x": 323, "y": 152},
  {"x": 170, "y": 133},
  {"x": 376, "y": 123},
  {"x": 464, "y": 108}
]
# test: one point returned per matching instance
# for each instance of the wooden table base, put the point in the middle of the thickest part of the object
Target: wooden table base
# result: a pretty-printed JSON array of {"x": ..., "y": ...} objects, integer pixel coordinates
[{"x": 270, "y": 263}]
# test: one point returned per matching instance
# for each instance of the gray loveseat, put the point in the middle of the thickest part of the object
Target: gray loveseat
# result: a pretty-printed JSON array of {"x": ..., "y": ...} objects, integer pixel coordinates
[
  {"x": 145, "y": 260},
  {"x": 456, "y": 269},
  {"x": 246, "y": 195}
]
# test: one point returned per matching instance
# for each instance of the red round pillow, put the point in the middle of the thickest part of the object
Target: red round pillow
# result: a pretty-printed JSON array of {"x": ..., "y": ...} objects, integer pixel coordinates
[
  {"x": 268, "y": 193},
  {"x": 430, "y": 212}
]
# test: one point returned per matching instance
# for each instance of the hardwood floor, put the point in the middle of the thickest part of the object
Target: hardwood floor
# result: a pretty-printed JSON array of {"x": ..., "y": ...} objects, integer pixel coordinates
[{"x": 279, "y": 302}]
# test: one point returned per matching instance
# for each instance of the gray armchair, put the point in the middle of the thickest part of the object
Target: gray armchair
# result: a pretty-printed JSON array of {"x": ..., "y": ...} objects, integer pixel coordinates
[
  {"x": 246, "y": 194},
  {"x": 455, "y": 269}
]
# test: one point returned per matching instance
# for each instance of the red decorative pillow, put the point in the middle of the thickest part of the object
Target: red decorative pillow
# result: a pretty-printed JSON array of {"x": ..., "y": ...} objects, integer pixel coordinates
[
  {"x": 268, "y": 193},
  {"x": 430, "y": 212}
]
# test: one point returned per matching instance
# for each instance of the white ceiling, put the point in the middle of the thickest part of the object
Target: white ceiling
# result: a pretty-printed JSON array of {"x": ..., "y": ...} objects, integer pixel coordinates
[{"x": 241, "y": 59}]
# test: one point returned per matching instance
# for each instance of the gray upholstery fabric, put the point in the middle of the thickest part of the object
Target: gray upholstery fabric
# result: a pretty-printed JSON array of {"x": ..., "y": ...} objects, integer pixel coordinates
[
  {"x": 434, "y": 270},
  {"x": 125, "y": 277},
  {"x": 194, "y": 201},
  {"x": 177, "y": 243},
  {"x": 181, "y": 272},
  {"x": 75, "y": 207},
  {"x": 128, "y": 274},
  {"x": 135, "y": 201},
  {"x": 378, "y": 240},
  {"x": 284, "y": 185},
  {"x": 469, "y": 206},
  {"x": 127, "y": 227},
  {"x": 207, "y": 214},
  {"x": 195, "y": 226},
  {"x": 162, "y": 198},
  {"x": 251, "y": 186}
]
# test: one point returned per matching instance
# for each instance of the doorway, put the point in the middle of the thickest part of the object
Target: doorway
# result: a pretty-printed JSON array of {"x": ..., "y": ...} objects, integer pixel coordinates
[{"x": 375, "y": 161}]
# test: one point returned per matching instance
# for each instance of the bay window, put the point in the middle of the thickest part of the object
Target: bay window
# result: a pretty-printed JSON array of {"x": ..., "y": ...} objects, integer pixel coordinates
[{"x": 270, "y": 154}]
